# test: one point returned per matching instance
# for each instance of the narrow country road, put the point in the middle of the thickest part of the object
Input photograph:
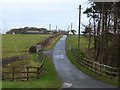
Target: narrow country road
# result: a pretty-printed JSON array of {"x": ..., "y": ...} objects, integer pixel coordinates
[{"x": 69, "y": 73}]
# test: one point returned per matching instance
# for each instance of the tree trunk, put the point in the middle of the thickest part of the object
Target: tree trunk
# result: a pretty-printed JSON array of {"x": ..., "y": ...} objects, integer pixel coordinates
[
  {"x": 102, "y": 35},
  {"x": 98, "y": 39},
  {"x": 106, "y": 36},
  {"x": 94, "y": 38}
]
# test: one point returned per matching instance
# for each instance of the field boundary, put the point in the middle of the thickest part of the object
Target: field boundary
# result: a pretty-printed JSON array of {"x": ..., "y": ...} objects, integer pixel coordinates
[
  {"x": 101, "y": 69},
  {"x": 25, "y": 75},
  {"x": 24, "y": 72},
  {"x": 12, "y": 59},
  {"x": 48, "y": 40}
]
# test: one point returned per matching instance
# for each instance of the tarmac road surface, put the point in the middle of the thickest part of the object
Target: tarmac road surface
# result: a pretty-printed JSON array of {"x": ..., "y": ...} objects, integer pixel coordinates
[{"x": 69, "y": 73}]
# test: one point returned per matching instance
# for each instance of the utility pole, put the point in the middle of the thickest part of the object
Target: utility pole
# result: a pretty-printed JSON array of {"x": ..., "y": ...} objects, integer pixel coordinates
[
  {"x": 71, "y": 26},
  {"x": 49, "y": 30},
  {"x": 79, "y": 29},
  {"x": 68, "y": 28},
  {"x": 70, "y": 37},
  {"x": 49, "y": 27},
  {"x": 56, "y": 27}
]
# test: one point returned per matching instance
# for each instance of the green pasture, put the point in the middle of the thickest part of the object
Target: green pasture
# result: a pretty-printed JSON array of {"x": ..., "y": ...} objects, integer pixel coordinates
[
  {"x": 84, "y": 52},
  {"x": 17, "y": 44},
  {"x": 83, "y": 42},
  {"x": 49, "y": 78}
]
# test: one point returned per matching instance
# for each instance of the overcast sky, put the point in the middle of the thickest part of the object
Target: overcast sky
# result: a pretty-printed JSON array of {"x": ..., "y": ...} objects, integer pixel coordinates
[{"x": 40, "y": 13}]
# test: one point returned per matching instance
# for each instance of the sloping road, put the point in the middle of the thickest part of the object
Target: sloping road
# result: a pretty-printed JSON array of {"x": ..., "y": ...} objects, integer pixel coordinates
[{"x": 69, "y": 73}]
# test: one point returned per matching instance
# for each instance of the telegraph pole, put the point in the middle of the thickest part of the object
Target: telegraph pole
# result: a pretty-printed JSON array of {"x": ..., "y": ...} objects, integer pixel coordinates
[
  {"x": 79, "y": 29},
  {"x": 56, "y": 27},
  {"x": 49, "y": 30},
  {"x": 68, "y": 28},
  {"x": 49, "y": 27},
  {"x": 70, "y": 38},
  {"x": 71, "y": 26}
]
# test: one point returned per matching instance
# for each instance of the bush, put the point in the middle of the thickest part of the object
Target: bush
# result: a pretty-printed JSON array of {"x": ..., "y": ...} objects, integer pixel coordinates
[{"x": 32, "y": 49}]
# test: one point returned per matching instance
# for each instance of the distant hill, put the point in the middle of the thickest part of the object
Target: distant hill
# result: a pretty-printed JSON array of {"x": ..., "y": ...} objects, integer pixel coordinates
[
  {"x": 34, "y": 30},
  {"x": 28, "y": 30}
]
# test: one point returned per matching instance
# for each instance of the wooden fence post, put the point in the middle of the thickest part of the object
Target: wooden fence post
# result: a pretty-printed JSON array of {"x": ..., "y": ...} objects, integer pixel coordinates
[
  {"x": 95, "y": 67},
  {"x": 38, "y": 70},
  {"x": 111, "y": 75},
  {"x": 27, "y": 73},
  {"x": 118, "y": 71},
  {"x": 3, "y": 78},
  {"x": 91, "y": 66},
  {"x": 13, "y": 73},
  {"x": 87, "y": 64},
  {"x": 104, "y": 71},
  {"x": 100, "y": 69}
]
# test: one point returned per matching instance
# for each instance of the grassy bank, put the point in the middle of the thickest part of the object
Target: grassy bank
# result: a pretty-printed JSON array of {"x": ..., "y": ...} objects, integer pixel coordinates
[{"x": 80, "y": 67}]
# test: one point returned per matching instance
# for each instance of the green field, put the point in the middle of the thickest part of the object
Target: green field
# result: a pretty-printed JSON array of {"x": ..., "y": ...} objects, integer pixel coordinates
[
  {"x": 83, "y": 42},
  {"x": 84, "y": 52},
  {"x": 49, "y": 78},
  {"x": 15, "y": 45}
]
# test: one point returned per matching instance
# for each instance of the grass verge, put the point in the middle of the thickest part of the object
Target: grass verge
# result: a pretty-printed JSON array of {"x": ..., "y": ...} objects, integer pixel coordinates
[{"x": 87, "y": 71}]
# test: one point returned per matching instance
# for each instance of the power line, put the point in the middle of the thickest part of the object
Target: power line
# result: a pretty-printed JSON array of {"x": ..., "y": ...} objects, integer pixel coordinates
[
  {"x": 25, "y": 10},
  {"x": 12, "y": 41},
  {"x": 86, "y": 4},
  {"x": 5, "y": 26}
]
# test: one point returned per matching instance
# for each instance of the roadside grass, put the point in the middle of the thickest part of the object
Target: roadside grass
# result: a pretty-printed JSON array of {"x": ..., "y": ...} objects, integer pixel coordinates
[
  {"x": 49, "y": 79},
  {"x": 17, "y": 44},
  {"x": 0, "y": 85},
  {"x": 71, "y": 57}
]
